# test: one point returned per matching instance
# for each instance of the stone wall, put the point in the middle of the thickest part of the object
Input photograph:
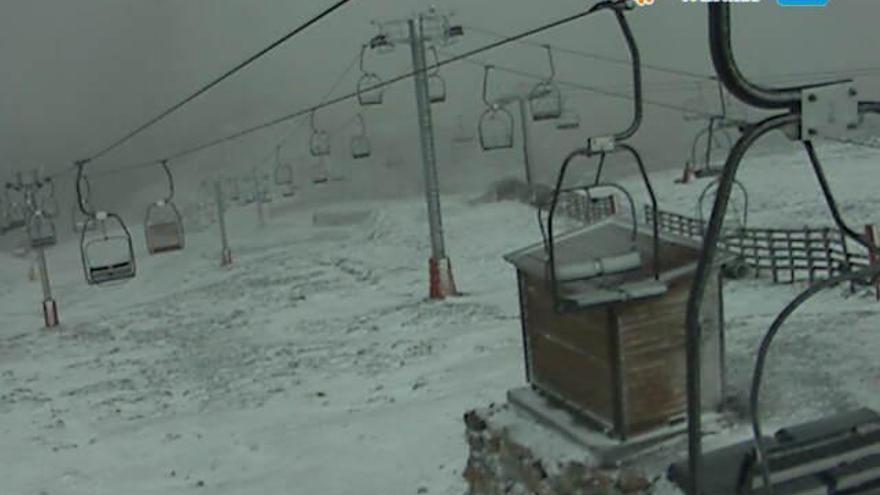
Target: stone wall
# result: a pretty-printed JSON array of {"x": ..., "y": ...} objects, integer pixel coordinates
[{"x": 509, "y": 455}]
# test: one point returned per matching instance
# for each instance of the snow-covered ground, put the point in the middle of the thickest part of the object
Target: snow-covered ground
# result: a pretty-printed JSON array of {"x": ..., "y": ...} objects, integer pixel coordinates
[{"x": 315, "y": 365}]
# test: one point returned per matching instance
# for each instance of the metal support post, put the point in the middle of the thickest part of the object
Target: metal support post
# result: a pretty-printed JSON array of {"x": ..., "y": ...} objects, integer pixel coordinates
[
  {"x": 226, "y": 253},
  {"x": 50, "y": 307},
  {"x": 442, "y": 283}
]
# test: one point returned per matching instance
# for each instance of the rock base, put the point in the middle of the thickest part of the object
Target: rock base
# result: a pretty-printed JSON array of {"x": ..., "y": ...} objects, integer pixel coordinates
[{"x": 510, "y": 454}]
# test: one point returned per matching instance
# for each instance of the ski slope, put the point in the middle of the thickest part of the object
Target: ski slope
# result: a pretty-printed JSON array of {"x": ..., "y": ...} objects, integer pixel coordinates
[{"x": 315, "y": 365}]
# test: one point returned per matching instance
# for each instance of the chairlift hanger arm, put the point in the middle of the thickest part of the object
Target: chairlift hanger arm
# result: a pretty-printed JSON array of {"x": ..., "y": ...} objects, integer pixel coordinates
[
  {"x": 167, "y": 170},
  {"x": 730, "y": 74},
  {"x": 870, "y": 273}
]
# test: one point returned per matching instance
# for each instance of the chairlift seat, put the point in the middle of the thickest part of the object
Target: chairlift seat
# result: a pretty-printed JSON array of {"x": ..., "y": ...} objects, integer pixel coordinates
[
  {"x": 111, "y": 273},
  {"x": 319, "y": 144},
  {"x": 545, "y": 101},
  {"x": 360, "y": 147},
  {"x": 108, "y": 258},
  {"x": 496, "y": 129},
  {"x": 163, "y": 228},
  {"x": 569, "y": 120},
  {"x": 366, "y": 95},
  {"x": 41, "y": 231},
  {"x": 603, "y": 265},
  {"x": 436, "y": 88}
]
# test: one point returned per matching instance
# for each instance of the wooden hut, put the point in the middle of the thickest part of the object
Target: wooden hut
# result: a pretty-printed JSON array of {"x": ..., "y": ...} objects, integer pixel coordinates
[{"x": 611, "y": 348}]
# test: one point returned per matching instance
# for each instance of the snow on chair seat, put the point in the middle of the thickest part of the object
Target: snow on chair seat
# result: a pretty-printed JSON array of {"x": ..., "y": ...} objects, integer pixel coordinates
[{"x": 607, "y": 265}]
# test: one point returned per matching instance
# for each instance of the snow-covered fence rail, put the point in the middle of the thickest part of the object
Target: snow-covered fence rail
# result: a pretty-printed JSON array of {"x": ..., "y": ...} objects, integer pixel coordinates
[{"x": 785, "y": 255}]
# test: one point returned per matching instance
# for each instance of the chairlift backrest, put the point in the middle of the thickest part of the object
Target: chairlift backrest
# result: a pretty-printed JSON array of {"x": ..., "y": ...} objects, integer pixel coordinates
[
  {"x": 545, "y": 99},
  {"x": 569, "y": 120},
  {"x": 436, "y": 83},
  {"x": 107, "y": 258},
  {"x": 360, "y": 143},
  {"x": 369, "y": 88},
  {"x": 163, "y": 224},
  {"x": 495, "y": 127},
  {"x": 41, "y": 230}
]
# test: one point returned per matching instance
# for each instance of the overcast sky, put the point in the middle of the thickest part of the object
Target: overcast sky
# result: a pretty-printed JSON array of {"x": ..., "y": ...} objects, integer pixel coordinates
[{"x": 79, "y": 73}]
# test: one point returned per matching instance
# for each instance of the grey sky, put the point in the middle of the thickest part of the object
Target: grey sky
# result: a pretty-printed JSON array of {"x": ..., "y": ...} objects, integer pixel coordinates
[{"x": 78, "y": 73}]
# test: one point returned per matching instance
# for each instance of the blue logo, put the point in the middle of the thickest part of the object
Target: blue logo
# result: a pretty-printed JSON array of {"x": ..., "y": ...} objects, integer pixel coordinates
[{"x": 803, "y": 3}]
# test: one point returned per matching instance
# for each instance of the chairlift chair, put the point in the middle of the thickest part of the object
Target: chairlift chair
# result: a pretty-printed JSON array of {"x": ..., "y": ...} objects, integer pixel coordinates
[
  {"x": 360, "y": 143},
  {"x": 368, "y": 90},
  {"x": 320, "y": 173},
  {"x": 319, "y": 142},
  {"x": 496, "y": 124},
  {"x": 41, "y": 230},
  {"x": 48, "y": 204},
  {"x": 436, "y": 83},
  {"x": 163, "y": 224},
  {"x": 14, "y": 212},
  {"x": 109, "y": 257},
  {"x": 284, "y": 179},
  {"x": 233, "y": 190},
  {"x": 545, "y": 99},
  {"x": 626, "y": 261}
]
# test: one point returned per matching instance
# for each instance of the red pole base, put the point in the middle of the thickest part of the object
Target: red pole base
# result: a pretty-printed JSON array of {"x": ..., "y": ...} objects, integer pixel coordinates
[
  {"x": 50, "y": 313},
  {"x": 226, "y": 258},
  {"x": 442, "y": 282}
]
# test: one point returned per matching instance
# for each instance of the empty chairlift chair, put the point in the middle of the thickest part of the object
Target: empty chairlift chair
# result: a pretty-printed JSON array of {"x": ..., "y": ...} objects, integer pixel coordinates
[
  {"x": 436, "y": 83},
  {"x": 108, "y": 257},
  {"x": 319, "y": 141},
  {"x": 369, "y": 88},
  {"x": 496, "y": 124},
  {"x": 41, "y": 230},
  {"x": 545, "y": 99},
  {"x": 163, "y": 224},
  {"x": 360, "y": 143},
  {"x": 283, "y": 175},
  {"x": 610, "y": 267}
]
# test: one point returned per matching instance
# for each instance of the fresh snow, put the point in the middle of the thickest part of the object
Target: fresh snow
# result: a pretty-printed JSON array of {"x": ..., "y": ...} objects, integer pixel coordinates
[{"x": 315, "y": 365}]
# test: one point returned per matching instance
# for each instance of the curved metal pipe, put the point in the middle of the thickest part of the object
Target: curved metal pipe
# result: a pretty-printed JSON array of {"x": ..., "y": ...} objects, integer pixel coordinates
[
  {"x": 655, "y": 213},
  {"x": 636, "y": 60},
  {"x": 701, "y": 279},
  {"x": 729, "y": 73},
  {"x": 81, "y": 200},
  {"x": 170, "y": 197},
  {"x": 830, "y": 201},
  {"x": 714, "y": 183}
]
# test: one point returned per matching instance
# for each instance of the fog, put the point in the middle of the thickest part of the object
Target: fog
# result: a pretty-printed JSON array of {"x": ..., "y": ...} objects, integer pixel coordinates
[{"x": 79, "y": 74}]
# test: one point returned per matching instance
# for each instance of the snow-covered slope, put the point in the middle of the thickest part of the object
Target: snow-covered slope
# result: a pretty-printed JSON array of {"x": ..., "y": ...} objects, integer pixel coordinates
[{"x": 316, "y": 366}]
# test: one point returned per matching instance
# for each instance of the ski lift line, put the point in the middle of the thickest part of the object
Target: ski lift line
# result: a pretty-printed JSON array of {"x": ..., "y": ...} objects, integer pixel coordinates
[
  {"x": 339, "y": 99},
  {"x": 596, "y": 56},
  {"x": 592, "y": 89},
  {"x": 238, "y": 67}
]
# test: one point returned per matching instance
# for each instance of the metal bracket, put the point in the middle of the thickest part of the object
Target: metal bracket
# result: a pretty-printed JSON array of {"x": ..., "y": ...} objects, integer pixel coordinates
[
  {"x": 602, "y": 144},
  {"x": 831, "y": 110}
]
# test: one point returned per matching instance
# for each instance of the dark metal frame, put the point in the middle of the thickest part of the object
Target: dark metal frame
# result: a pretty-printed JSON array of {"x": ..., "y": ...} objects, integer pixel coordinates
[
  {"x": 789, "y": 100},
  {"x": 359, "y": 140},
  {"x": 546, "y": 90},
  {"x": 93, "y": 219},
  {"x": 494, "y": 112},
  {"x": 369, "y": 84},
  {"x": 319, "y": 141},
  {"x": 619, "y": 9},
  {"x": 165, "y": 203}
]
